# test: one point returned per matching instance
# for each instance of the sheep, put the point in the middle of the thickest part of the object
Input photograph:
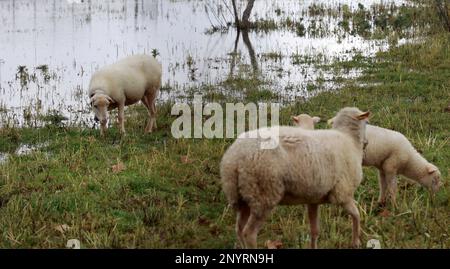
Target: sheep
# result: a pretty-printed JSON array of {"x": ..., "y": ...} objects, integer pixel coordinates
[
  {"x": 126, "y": 82},
  {"x": 305, "y": 121},
  {"x": 393, "y": 154},
  {"x": 308, "y": 167}
]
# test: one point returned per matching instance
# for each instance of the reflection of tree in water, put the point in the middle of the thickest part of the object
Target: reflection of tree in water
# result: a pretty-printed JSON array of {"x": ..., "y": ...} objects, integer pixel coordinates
[
  {"x": 234, "y": 53},
  {"x": 251, "y": 52},
  {"x": 242, "y": 26},
  {"x": 136, "y": 8}
]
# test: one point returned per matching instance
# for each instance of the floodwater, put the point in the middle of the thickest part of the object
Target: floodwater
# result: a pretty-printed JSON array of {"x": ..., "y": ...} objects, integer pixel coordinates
[
  {"x": 50, "y": 48},
  {"x": 21, "y": 150}
]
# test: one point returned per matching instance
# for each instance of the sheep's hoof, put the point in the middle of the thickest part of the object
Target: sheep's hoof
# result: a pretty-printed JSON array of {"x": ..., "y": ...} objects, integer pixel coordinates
[
  {"x": 381, "y": 205},
  {"x": 356, "y": 244}
]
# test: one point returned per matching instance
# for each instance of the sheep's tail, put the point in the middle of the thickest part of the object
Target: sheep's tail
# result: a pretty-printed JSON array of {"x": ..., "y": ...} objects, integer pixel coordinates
[{"x": 229, "y": 177}]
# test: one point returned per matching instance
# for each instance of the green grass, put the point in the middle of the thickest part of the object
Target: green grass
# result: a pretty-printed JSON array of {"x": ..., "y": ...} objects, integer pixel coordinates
[
  {"x": 377, "y": 21},
  {"x": 169, "y": 196}
]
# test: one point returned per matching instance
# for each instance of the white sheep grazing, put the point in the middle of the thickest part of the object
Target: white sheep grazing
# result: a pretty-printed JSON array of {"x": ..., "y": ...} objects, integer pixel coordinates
[
  {"x": 392, "y": 154},
  {"x": 308, "y": 167},
  {"x": 305, "y": 121},
  {"x": 128, "y": 81}
]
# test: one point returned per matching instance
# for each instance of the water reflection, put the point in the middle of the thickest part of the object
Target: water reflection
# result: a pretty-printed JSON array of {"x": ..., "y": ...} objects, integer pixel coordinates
[{"x": 251, "y": 52}]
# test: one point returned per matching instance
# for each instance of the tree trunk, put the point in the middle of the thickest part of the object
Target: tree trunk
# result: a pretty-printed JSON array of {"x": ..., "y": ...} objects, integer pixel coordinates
[
  {"x": 246, "y": 15},
  {"x": 236, "y": 14}
]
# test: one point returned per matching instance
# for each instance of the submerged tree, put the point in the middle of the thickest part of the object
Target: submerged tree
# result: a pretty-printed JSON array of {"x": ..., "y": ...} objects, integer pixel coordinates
[
  {"x": 243, "y": 26},
  {"x": 243, "y": 23}
]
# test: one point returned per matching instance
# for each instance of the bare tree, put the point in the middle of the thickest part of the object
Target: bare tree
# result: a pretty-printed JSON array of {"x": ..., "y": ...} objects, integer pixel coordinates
[
  {"x": 245, "y": 22},
  {"x": 236, "y": 14},
  {"x": 242, "y": 28},
  {"x": 246, "y": 15}
]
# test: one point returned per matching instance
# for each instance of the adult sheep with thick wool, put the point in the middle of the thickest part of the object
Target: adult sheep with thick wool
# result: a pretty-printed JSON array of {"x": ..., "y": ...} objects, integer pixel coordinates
[
  {"x": 126, "y": 82},
  {"x": 307, "y": 167}
]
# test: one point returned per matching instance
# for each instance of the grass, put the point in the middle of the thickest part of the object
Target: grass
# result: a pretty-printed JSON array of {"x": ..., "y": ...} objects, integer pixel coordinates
[
  {"x": 377, "y": 21},
  {"x": 167, "y": 194}
]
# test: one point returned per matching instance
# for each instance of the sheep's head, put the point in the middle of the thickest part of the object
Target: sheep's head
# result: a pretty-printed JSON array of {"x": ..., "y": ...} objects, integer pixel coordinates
[
  {"x": 365, "y": 141},
  {"x": 305, "y": 121},
  {"x": 100, "y": 103},
  {"x": 432, "y": 178},
  {"x": 353, "y": 121}
]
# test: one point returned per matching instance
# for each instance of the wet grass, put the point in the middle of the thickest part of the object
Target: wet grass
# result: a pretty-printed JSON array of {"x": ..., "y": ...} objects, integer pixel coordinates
[
  {"x": 305, "y": 59},
  {"x": 167, "y": 193},
  {"x": 379, "y": 21},
  {"x": 273, "y": 56}
]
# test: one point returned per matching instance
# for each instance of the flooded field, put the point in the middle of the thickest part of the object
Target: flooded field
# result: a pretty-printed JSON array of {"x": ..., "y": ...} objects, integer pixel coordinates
[
  {"x": 62, "y": 181},
  {"x": 49, "y": 49}
]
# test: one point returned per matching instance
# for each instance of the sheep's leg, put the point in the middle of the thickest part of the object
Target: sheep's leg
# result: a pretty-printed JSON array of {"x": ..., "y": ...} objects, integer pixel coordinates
[
  {"x": 147, "y": 105},
  {"x": 152, "y": 103},
  {"x": 251, "y": 229},
  {"x": 102, "y": 129},
  {"x": 149, "y": 102},
  {"x": 392, "y": 187},
  {"x": 121, "y": 117},
  {"x": 154, "y": 117},
  {"x": 241, "y": 219},
  {"x": 351, "y": 208},
  {"x": 383, "y": 188},
  {"x": 390, "y": 172},
  {"x": 313, "y": 216}
]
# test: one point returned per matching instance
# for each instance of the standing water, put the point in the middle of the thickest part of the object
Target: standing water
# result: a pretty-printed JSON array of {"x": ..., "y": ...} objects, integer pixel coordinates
[{"x": 50, "y": 48}]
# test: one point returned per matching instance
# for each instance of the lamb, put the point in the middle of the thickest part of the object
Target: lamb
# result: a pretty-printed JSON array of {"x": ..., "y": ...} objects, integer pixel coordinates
[
  {"x": 126, "y": 82},
  {"x": 393, "y": 154},
  {"x": 307, "y": 167},
  {"x": 305, "y": 121}
]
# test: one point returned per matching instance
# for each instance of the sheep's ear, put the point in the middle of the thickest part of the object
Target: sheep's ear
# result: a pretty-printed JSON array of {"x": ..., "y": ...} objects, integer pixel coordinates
[
  {"x": 431, "y": 169},
  {"x": 363, "y": 116},
  {"x": 295, "y": 119},
  {"x": 92, "y": 100},
  {"x": 110, "y": 100},
  {"x": 316, "y": 119}
]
